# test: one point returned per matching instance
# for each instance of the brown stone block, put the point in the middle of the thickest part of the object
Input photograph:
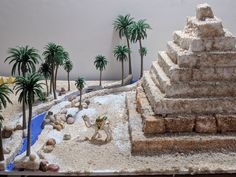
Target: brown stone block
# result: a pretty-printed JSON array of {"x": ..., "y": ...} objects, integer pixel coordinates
[
  {"x": 153, "y": 124},
  {"x": 226, "y": 123},
  {"x": 205, "y": 124},
  {"x": 179, "y": 124}
]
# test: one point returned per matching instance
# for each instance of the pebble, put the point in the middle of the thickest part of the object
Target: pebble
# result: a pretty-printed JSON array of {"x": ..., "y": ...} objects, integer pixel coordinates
[
  {"x": 32, "y": 157},
  {"x": 51, "y": 142},
  {"x": 43, "y": 166},
  {"x": 71, "y": 98},
  {"x": 53, "y": 167},
  {"x": 70, "y": 120},
  {"x": 48, "y": 149},
  {"x": 66, "y": 137},
  {"x": 64, "y": 111},
  {"x": 58, "y": 127},
  {"x": 87, "y": 102}
]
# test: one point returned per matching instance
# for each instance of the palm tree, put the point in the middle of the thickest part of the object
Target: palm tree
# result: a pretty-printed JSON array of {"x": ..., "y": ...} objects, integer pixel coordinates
[
  {"x": 120, "y": 52},
  {"x": 4, "y": 92},
  {"x": 138, "y": 31},
  {"x": 53, "y": 54},
  {"x": 45, "y": 70},
  {"x": 100, "y": 63},
  {"x": 60, "y": 62},
  {"x": 68, "y": 66},
  {"x": 122, "y": 24},
  {"x": 80, "y": 83},
  {"x": 24, "y": 60},
  {"x": 28, "y": 87}
]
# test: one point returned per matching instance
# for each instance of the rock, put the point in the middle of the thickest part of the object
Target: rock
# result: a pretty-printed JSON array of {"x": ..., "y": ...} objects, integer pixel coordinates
[
  {"x": 87, "y": 102},
  {"x": 18, "y": 127},
  {"x": 32, "y": 157},
  {"x": 43, "y": 166},
  {"x": 7, "y": 131},
  {"x": 50, "y": 113},
  {"x": 66, "y": 137},
  {"x": 206, "y": 124},
  {"x": 48, "y": 149},
  {"x": 58, "y": 127},
  {"x": 63, "y": 117},
  {"x": 52, "y": 118},
  {"x": 72, "y": 97},
  {"x": 64, "y": 111},
  {"x": 6, "y": 151},
  {"x": 74, "y": 103},
  {"x": 226, "y": 123},
  {"x": 204, "y": 11},
  {"x": 85, "y": 106},
  {"x": 154, "y": 124},
  {"x": 53, "y": 168},
  {"x": 51, "y": 142},
  {"x": 70, "y": 120},
  {"x": 72, "y": 112},
  {"x": 62, "y": 91}
]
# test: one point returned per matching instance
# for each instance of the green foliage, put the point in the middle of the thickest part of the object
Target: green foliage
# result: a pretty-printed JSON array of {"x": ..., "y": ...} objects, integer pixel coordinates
[
  {"x": 4, "y": 95},
  {"x": 80, "y": 83},
  {"x": 138, "y": 30},
  {"x": 24, "y": 59},
  {"x": 120, "y": 52},
  {"x": 100, "y": 62},
  {"x": 45, "y": 70},
  {"x": 1, "y": 120},
  {"x": 122, "y": 24},
  {"x": 28, "y": 87},
  {"x": 143, "y": 51},
  {"x": 68, "y": 66}
]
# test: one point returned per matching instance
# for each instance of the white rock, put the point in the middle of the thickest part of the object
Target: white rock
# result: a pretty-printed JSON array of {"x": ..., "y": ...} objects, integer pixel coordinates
[{"x": 72, "y": 111}]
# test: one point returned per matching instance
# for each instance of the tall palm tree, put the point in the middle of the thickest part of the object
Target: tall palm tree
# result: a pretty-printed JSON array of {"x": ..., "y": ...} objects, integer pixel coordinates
[
  {"x": 121, "y": 52},
  {"x": 80, "y": 83},
  {"x": 138, "y": 31},
  {"x": 4, "y": 98},
  {"x": 100, "y": 63},
  {"x": 24, "y": 60},
  {"x": 60, "y": 62},
  {"x": 28, "y": 87},
  {"x": 45, "y": 70},
  {"x": 122, "y": 24},
  {"x": 53, "y": 54},
  {"x": 68, "y": 66}
]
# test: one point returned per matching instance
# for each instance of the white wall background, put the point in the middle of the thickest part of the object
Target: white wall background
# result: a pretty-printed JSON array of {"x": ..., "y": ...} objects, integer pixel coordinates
[{"x": 84, "y": 28}]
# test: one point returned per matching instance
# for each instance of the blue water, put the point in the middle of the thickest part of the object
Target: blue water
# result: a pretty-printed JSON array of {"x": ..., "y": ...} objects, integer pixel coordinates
[{"x": 36, "y": 129}]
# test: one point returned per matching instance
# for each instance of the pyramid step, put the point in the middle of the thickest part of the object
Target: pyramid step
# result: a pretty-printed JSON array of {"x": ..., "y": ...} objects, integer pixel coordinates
[
  {"x": 165, "y": 143},
  {"x": 163, "y": 79},
  {"x": 195, "y": 44},
  {"x": 188, "y": 59},
  {"x": 161, "y": 104}
]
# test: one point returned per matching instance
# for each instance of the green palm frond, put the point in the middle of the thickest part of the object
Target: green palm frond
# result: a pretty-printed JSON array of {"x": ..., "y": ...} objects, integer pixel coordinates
[
  {"x": 121, "y": 52},
  {"x": 143, "y": 51},
  {"x": 100, "y": 62},
  {"x": 68, "y": 66},
  {"x": 24, "y": 59},
  {"x": 138, "y": 30},
  {"x": 4, "y": 95},
  {"x": 28, "y": 87},
  {"x": 45, "y": 70},
  {"x": 122, "y": 24},
  {"x": 80, "y": 83}
]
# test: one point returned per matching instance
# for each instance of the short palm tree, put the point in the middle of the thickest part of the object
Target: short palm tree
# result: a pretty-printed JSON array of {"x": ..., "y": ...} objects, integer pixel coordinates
[
  {"x": 28, "y": 87},
  {"x": 80, "y": 83},
  {"x": 122, "y": 24},
  {"x": 24, "y": 60},
  {"x": 45, "y": 70},
  {"x": 68, "y": 66},
  {"x": 53, "y": 54},
  {"x": 138, "y": 32},
  {"x": 100, "y": 63},
  {"x": 121, "y": 52},
  {"x": 4, "y": 99}
]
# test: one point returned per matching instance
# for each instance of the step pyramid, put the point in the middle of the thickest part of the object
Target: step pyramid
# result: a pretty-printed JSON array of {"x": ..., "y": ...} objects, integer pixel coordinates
[{"x": 191, "y": 87}]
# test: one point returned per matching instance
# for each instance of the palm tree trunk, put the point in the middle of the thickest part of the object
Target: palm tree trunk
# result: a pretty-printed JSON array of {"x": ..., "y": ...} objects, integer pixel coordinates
[
  {"x": 46, "y": 80},
  {"x": 68, "y": 79},
  {"x": 122, "y": 67},
  {"x": 1, "y": 146},
  {"x": 53, "y": 82},
  {"x": 23, "y": 108},
  {"x": 141, "y": 71},
  {"x": 129, "y": 55},
  {"x": 80, "y": 99},
  {"x": 50, "y": 85},
  {"x": 100, "y": 80},
  {"x": 29, "y": 130}
]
